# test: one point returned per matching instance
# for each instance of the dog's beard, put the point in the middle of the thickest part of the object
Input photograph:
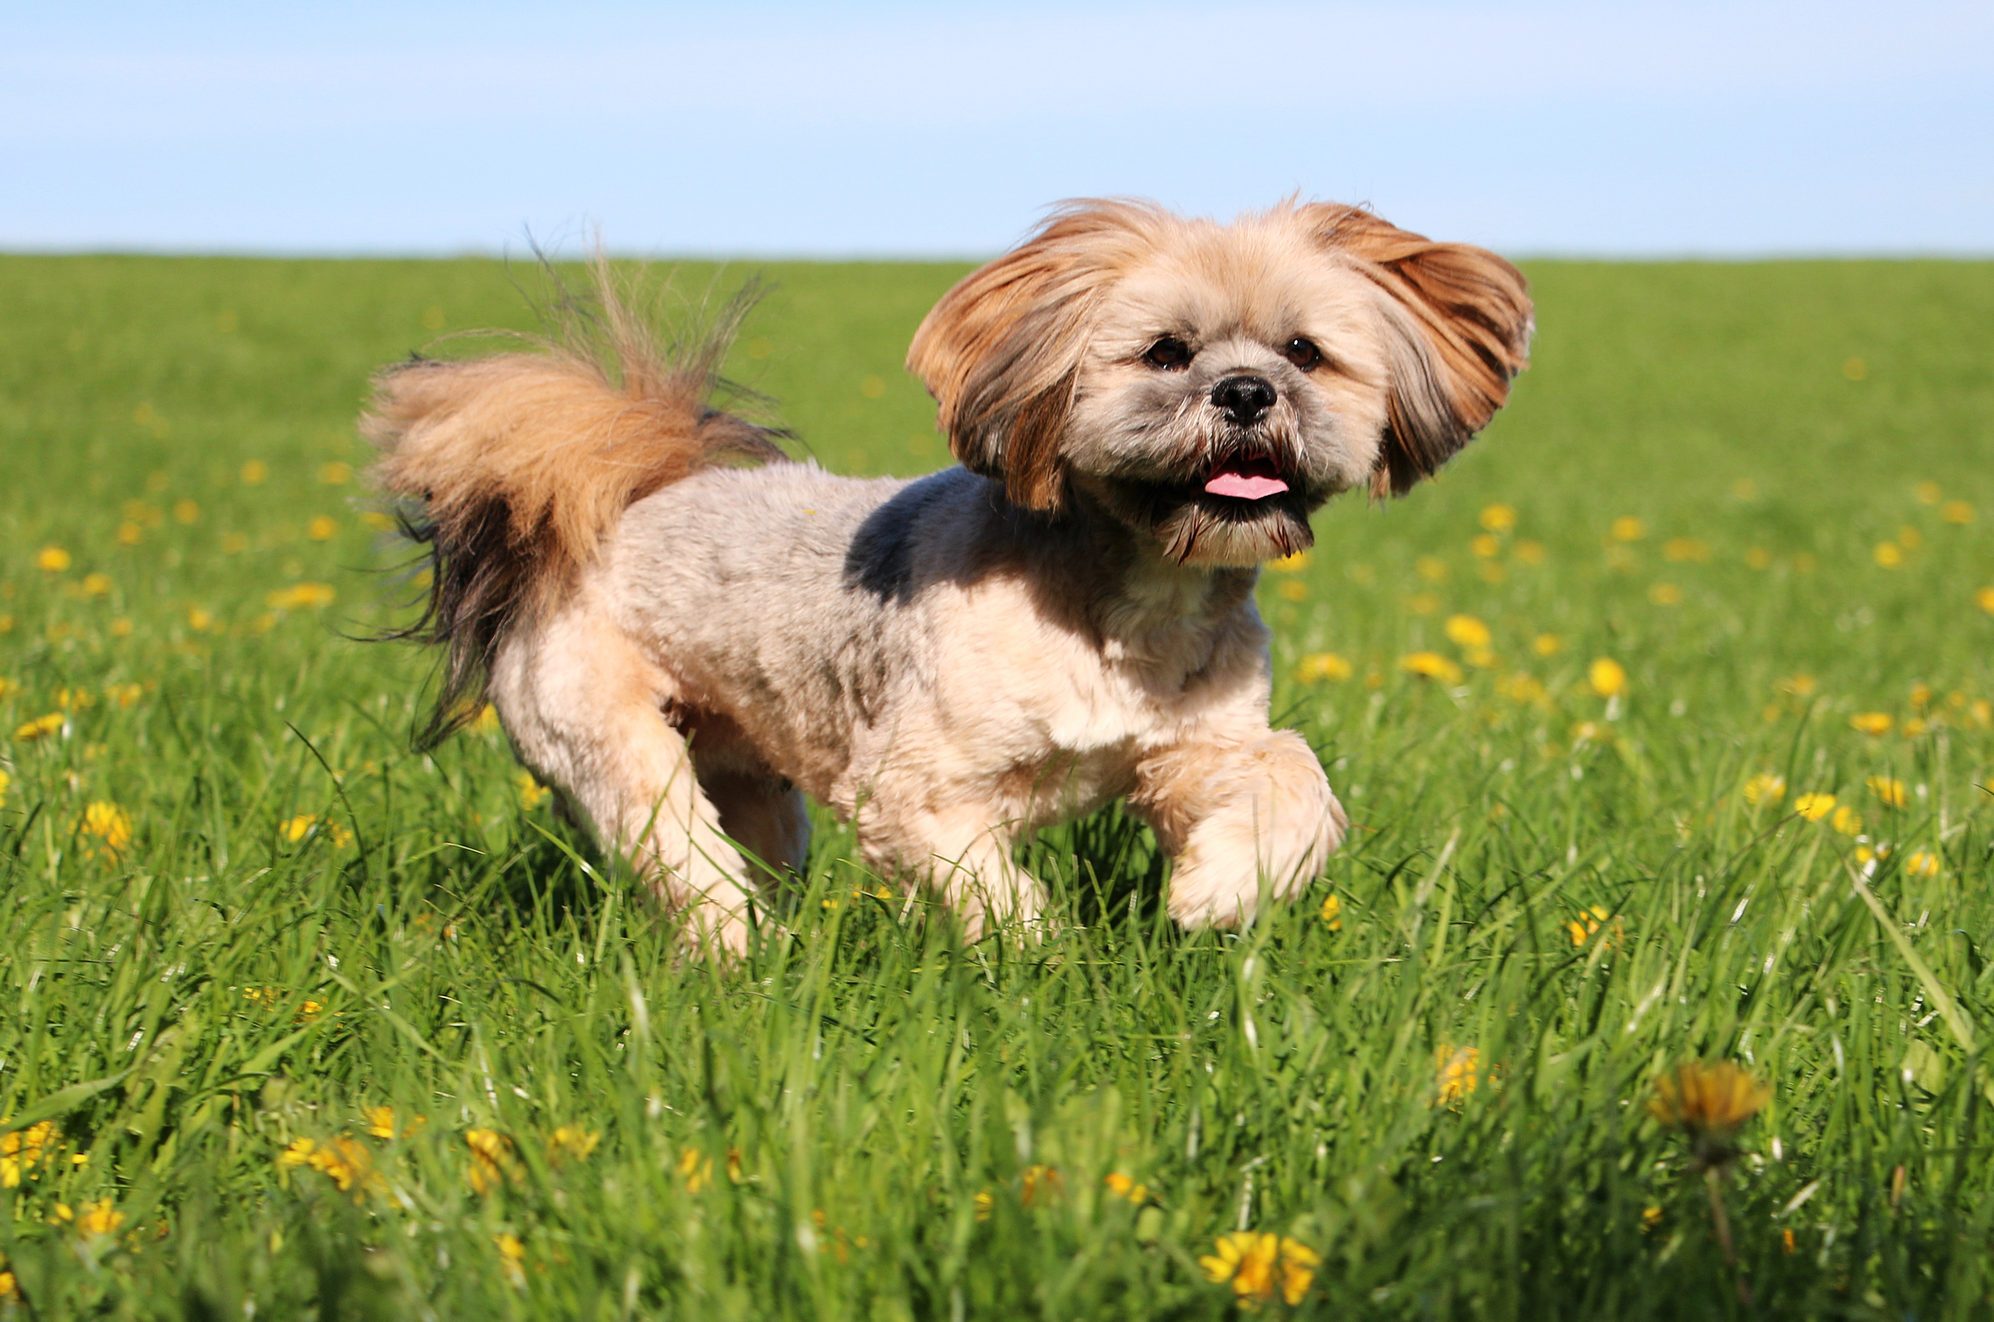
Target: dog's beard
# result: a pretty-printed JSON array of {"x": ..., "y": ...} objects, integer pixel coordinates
[{"x": 1235, "y": 498}]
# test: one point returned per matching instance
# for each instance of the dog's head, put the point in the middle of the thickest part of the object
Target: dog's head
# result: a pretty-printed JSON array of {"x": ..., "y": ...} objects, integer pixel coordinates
[{"x": 1211, "y": 385}]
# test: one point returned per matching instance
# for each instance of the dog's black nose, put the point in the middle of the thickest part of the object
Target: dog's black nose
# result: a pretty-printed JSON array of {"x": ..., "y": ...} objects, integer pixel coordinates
[{"x": 1243, "y": 398}]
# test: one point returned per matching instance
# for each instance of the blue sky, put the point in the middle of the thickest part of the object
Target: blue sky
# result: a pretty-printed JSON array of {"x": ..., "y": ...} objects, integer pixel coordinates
[{"x": 884, "y": 129}]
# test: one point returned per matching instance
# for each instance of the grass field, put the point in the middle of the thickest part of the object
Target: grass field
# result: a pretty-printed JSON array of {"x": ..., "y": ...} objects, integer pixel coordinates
[{"x": 294, "y": 1022}]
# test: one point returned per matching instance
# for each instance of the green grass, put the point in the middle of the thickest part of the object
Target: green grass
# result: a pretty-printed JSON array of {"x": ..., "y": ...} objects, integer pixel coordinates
[{"x": 188, "y": 1006}]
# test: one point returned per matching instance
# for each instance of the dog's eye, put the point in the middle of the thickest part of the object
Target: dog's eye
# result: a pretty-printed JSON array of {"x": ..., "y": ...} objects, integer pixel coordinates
[
  {"x": 1301, "y": 351},
  {"x": 1168, "y": 354}
]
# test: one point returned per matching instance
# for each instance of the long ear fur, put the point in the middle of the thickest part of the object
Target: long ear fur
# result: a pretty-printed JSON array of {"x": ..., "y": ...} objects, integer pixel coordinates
[
  {"x": 1002, "y": 350},
  {"x": 1458, "y": 323}
]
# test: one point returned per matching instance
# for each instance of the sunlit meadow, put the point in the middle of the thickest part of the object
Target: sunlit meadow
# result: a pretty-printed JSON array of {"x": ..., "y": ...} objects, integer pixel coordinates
[{"x": 1653, "y": 981}]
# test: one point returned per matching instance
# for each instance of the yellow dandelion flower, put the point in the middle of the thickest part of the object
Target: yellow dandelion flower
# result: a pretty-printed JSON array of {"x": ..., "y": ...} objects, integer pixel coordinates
[
  {"x": 1956, "y": 512},
  {"x": 1290, "y": 564},
  {"x": 1921, "y": 863},
  {"x": 1665, "y": 594},
  {"x": 1593, "y": 920},
  {"x": 186, "y": 511},
  {"x": 309, "y": 1011},
  {"x": 1765, "y": 788},
  {"x": 1650, "y": 1218},
  {"x": 41, "y": 727},
  {"x": 1467, "y": 631},
  {"x": 1888, "y": 554},
  {"x": 1928, "y": 492},
  {"x": 1431, "y": 568},
  {"x": 1422, "y": 603},
  {"x": 1872, "y": 723},
  {"x": 531, "y": 793},
  {"x": 1331, "y": 913},
  {"x": 95, "y": 584},
  {"x": 1457, "y": 1073},
  {"x": 307, "y": 826},
  {"x": 571, "y": 1143},
  {"x": 105, "y": 828},
  {"x": 1606, "y": 677},
  {"x": 1318, "y": 666},
  {"x": 1686, "y": 550},
  {"x": 1984, "y": 599},
  {"x": 1889, "y": 791},
  {"x": 1431, "y": 665},
  {"x": 124, "y": 696},
  {"x": 695, "y": 1168},
  {"x": 1547, "y": 644},
  {"x": 52, "y": 560},
  {"x": 1627, "y": 528},
  {"x": 492, "y": 1162},
  {"x": 120, "y": 627},
  {"x": 1530, "y": 552},
  {"x": 321, "y": 528},
  {"x": 254, "y": 472},
  {"x": 1846, "y": 821},
  {"x": 1485, "y": 545},
  {"x": 199, "y": 619},
  {"x": 1292, "y": 589},
  {"x": 384, "y": 1124},
  {"x": 1813, "y": 807},
  {"x": 984, "y": 1203},
  {"x": 1799, "y": 686},
  {"x": 336, "y": 473},
  {"x": 512, "y": 1256},
  {"x": 1126, "y": 1187},
  {"x": 1522, "y": 688},
  {"x": 98, "y": 1218},
  {"x": 23, "y": 1150},
  {"x": 5, "y": 781},
  {"x": 10, "y": 1288},
  {"x": 1498, "y": 518},
  {"x": 1710, "y": 1102},
  {"x": 1258, "y": 1266},
  {"x": 300, "y": 596},
  {"x": 1040, "y": 1184},
  {"x": 485, "y": 722},
  {"x": 342, "y": 1159}
]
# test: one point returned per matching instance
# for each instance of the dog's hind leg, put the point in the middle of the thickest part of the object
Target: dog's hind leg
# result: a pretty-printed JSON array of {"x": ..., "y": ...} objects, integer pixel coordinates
[
  {"x": 584, "y": 707},
  {"x": 763, "y": 814},
  {"x": 963, "y": 861}
]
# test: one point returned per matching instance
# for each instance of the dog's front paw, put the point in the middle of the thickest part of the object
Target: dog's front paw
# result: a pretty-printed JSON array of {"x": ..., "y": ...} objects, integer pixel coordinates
[{"x": 1231, "y": 860}]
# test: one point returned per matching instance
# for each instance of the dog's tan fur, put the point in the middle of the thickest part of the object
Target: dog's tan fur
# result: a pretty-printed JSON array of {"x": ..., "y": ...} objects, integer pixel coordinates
[{"x": 683, "y": 646}]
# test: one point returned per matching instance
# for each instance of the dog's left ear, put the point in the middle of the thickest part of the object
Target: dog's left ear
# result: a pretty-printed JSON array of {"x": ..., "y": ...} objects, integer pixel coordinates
[
  {"x": 1458, "y": 323},
  {"x": 1001, "y": 352}
]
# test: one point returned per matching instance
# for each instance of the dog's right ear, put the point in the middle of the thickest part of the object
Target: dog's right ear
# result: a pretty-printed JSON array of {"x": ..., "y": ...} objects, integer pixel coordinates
[{"x": 1001, "y": 352}]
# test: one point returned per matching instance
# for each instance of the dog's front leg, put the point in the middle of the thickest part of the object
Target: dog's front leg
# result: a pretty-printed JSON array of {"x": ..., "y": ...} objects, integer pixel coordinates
[{"x": 1239, "y": 820}]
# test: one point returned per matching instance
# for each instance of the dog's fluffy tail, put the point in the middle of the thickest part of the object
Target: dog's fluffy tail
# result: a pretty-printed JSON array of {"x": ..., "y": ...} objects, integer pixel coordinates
[{"x": 513, "y": 468}]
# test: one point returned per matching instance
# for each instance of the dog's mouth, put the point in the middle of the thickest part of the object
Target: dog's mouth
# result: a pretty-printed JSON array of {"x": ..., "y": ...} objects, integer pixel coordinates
[{"x": 1245, "y": 478}]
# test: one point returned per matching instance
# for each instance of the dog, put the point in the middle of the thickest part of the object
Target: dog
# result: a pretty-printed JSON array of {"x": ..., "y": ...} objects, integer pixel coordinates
[{"x": 685, "y": 632}]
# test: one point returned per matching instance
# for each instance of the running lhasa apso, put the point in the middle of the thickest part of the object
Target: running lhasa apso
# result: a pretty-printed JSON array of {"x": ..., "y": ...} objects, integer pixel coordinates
[{"x": 685, "y": 633}]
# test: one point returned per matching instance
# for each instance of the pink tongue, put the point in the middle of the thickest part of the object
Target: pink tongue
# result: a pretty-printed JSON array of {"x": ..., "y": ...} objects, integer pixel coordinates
[{"x": 1244, "y": 486}]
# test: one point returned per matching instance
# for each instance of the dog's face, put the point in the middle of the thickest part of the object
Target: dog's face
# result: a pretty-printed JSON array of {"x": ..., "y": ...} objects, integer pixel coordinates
[{"x": 1210, "y": 386}]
